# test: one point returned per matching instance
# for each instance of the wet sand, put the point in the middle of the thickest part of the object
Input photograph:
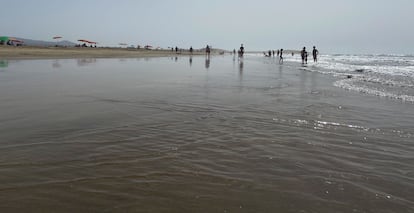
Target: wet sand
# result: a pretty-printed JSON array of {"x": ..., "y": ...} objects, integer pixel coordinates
[
  {"x": 197, "y": 134},
  {"x": 8, "y": 52}
]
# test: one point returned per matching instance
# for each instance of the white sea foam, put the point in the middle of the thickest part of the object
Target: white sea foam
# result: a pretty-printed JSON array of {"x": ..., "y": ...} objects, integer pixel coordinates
[
  {"x": 390, "y": 76},
  {"x": 349, "y": 85}
]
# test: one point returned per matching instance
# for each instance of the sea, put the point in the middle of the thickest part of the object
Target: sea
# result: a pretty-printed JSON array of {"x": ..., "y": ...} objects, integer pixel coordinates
[
  {"x": 208, "y": 134},
  {"x": 388, "y": 76}
]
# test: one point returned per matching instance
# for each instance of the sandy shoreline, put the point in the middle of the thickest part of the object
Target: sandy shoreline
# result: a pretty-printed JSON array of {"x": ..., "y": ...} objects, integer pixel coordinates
[{"x": 7, "y": 52}]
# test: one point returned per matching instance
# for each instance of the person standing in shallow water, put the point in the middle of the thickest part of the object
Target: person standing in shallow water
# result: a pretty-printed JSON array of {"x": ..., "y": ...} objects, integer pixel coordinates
[
  {"x": 241, "y": 51},
  {"x": 303, "y": 54},
  {"x": 315, "y": 54}
]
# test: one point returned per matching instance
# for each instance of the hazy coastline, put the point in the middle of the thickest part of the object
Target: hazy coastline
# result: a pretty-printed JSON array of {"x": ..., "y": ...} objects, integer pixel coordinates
[{"x": 27, "y": 52}]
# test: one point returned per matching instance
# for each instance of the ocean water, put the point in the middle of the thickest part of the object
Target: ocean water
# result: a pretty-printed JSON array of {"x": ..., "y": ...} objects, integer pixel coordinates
[
  {"x": 196, "y": 134},
  {"x": 389, "y": 76}
]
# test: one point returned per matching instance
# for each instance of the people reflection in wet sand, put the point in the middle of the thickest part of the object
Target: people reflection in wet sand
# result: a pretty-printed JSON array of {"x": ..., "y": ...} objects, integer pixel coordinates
[
  {"x": 56, "y": 64},
  {"x": 191, "y": 60},
  {"x": 241, "y": 67},
  {"x": 86, "y": 61},
  {"x": 207, "y": 62}
]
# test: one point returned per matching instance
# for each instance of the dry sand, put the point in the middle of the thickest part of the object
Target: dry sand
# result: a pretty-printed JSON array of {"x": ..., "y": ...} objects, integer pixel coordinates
[{"x": 9, "y": 52}]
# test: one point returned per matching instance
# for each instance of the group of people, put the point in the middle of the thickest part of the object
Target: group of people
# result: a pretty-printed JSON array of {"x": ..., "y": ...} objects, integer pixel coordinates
[
  {"x": 240, "y": 52},
  {"x": 304, "y": 55}
]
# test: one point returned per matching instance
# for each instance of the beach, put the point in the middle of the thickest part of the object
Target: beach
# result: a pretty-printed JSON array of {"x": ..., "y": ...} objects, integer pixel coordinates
[
  {"x": 26, "y": 52},
  {"x": 203, "y": 134}
]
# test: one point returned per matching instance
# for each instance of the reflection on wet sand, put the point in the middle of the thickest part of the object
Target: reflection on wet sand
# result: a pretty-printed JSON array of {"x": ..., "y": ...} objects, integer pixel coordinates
[
  {"x": 56, "y": 64},
  {"x": 160, "y": 136},
  {"x": 207, "y": 63},
  {"x": 241, "y": 67},
  {"x": 4, "y": 63},
  {"x": 86, "y": 61}
]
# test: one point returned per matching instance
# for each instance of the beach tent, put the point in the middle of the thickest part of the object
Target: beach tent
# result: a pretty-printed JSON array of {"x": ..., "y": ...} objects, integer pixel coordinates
[
  {"x": 87, "y": 41},
  {"x": 4, "y": 38},
  {"x": 16, "y": 40}
]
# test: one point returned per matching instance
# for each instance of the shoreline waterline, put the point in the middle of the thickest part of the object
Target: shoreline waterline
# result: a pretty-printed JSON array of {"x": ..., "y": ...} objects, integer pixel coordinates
[{"x": 24, "y": 52}]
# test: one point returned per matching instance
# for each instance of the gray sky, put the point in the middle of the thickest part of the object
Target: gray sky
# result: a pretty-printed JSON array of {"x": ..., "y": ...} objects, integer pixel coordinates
[{"x": 334, "y": 26}]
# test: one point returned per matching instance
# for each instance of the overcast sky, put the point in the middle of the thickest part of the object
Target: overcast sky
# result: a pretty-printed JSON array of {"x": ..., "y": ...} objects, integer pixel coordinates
[{"x": 334, "y": 26}]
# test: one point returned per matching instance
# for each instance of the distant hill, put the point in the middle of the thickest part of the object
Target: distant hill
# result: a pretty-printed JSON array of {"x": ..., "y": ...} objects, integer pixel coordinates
[{"x": 39, "y": 43}]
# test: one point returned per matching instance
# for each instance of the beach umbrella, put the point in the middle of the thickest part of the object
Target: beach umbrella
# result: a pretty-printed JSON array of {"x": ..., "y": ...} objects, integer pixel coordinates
[
  {"x": 87, "y": 41},
  {"x": 57, "y": 38}
]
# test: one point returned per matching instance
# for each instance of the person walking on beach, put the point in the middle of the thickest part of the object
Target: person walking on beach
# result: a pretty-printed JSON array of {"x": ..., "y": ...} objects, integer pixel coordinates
[
  {"x": 281, "y": 56},
  {"x": 191, "y": 50},
  {"x": 315, "y": 54},
  {"x": 208, "y": 51},
  {"x": 241, "y": 50},
  {"x": 304, "y": 55}
]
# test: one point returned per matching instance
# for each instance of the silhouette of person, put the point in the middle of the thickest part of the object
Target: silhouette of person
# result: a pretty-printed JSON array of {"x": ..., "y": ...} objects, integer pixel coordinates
[
  {"x": 241, "y": 50},
  {"x": 281, "y": 56},
  {"x": 191, "y": 50},
  {"x": 303, "y": 54},
  {"x": 208, "y": 51},
  {"x": 315, "y": 53}
]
